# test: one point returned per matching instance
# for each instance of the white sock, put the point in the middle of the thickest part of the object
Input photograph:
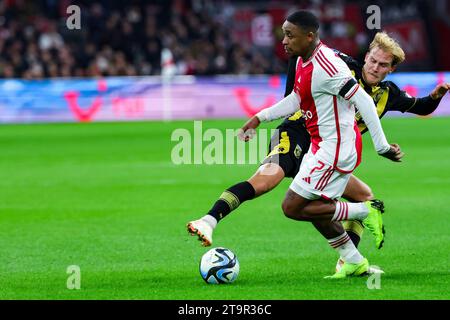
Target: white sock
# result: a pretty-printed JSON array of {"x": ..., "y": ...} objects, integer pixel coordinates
[
  {"x": 346, "y": 249},
  {"x": 209, "y": 219},
  {"x": 350, "y": 211}
]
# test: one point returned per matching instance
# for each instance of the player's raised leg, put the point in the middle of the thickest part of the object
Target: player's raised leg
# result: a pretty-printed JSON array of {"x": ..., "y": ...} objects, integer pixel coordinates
[
  {"x": 369, "y": 213},
  {"x": 339, "y": 240},
  {"x": 316, "y": 180},
  {"x": 267, "y": 177},
  {"x": 356, "y": 191},
  {"x": 355, "y": 264}
]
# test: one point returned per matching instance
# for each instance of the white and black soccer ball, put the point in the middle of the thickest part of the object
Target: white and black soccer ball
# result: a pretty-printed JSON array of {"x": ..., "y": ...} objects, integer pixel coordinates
[{"x": 219, "y": 265}]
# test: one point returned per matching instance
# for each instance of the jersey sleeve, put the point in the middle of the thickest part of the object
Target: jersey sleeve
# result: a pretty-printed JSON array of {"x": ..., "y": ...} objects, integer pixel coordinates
[
  {"x": 403, "y": 102},
  {"x": 337, "y": 79},
  {"x": 400, "y": 100},
  {"x": 285, "y": 107}
]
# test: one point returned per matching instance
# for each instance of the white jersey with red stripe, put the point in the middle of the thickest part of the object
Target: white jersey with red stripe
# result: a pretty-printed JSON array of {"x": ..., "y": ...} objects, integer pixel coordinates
[{"x": 323, "y": 87}]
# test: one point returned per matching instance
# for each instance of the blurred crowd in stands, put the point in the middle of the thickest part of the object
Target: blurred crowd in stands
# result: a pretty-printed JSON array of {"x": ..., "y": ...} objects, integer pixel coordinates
[{"x": 198, "y": 37}]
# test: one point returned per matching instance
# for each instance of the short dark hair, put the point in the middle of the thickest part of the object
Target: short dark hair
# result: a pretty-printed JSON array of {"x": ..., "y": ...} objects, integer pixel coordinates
[{"x": 305, "y": 20}]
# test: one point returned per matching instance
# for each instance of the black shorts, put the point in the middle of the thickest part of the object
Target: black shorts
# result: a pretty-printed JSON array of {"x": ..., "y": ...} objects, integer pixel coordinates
[{"x": 289, "y": 149}]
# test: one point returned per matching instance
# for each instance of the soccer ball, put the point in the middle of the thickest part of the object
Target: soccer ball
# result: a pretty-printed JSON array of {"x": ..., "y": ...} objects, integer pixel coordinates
[{"x": 219, "y": 265}]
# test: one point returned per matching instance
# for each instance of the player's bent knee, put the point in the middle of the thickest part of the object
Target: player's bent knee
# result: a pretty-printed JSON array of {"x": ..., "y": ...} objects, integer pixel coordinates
[
  {"x": 365, "y": 194},
  {"x": 286, "y": 209},
  {"x": 357, "y": 191},
  {"x": 368, "y": 194},
  {"x": 292, "y": 212},
  {"x": 361, "y": 195}
]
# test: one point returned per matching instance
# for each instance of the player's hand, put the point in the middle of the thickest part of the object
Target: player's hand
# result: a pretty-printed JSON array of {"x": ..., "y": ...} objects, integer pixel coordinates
[
  {"x": 440, "y": 90},
  {"x": 248, "y": 129},
  {"x": 395, "y": 153}
]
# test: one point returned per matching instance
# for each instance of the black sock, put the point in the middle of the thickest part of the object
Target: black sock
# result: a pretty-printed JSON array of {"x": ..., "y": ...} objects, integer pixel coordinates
[
  {"x": 354, "y": 237},
  {"x": 232, "y": 198}
]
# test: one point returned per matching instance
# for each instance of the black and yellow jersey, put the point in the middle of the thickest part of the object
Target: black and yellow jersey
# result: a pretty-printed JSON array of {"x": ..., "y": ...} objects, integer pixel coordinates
[
  {"x": 293, "y": 138},
  {"x": 387, "y": 96}
]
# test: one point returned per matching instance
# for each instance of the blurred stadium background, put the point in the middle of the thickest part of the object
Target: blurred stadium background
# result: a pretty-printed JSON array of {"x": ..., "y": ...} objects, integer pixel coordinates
[
  {"x": 105, "y": 195},
  {"x": 109, "y": 68}
]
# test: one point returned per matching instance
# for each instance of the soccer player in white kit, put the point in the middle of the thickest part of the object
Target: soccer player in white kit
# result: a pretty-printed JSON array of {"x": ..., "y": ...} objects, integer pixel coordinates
[{"x": 327, "y": 94}]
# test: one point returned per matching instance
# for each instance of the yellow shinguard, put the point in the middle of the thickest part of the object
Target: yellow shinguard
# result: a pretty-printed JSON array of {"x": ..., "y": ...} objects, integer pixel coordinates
[
  {"x": 231, "y": 199},
  {"x": 354, "y": 226}
]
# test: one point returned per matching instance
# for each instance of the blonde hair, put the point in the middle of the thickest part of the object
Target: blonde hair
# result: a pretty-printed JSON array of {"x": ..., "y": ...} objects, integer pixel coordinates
[{"x": 383, "y": 41}]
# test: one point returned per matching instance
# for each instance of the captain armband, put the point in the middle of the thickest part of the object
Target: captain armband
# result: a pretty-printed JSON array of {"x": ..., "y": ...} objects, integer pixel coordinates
[{"x": 349, "y": 89}]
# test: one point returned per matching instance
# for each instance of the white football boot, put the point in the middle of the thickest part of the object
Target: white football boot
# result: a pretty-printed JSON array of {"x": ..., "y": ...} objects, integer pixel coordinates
[{"x": 202, "y": 229}]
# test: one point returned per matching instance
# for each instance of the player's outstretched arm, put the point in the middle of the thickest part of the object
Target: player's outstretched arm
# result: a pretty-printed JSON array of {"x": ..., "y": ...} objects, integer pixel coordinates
[
  {"x": 366, "y": 107},
  {"x": 421, "y": 106},
  {"x": 395, "y": 153},
  {"x": 285, "y": 107},
  {"x": 247, "y": 131},
  {"x": 440, "y": 91}
]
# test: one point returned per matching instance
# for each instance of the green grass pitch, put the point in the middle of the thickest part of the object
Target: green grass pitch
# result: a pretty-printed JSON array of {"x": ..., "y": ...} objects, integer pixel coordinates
[{"x": 107, "y": 198}]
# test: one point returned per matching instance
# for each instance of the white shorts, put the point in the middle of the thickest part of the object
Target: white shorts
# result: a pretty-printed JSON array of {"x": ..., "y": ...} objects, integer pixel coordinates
[{"x": 317, "y": 179}]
